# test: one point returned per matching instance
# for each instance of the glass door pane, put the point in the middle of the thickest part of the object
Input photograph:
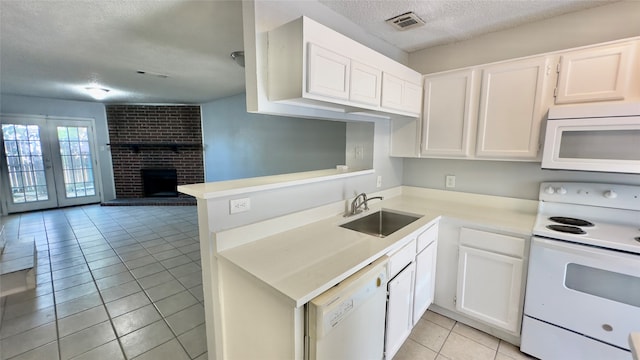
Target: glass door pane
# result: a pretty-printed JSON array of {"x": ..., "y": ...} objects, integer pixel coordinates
[
  {"x": 76, "y": 161},
  {"x": 74, "y": 169},
  {"x": 25, "y": 165}
]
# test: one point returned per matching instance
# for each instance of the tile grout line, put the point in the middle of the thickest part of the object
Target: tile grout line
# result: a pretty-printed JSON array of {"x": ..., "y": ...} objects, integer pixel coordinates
[
  {"x": 143, "y": 291},
  {"x": 95, "y": 283},
  {"x": 53, "y": 288},
  {"x": 77, "y": 242}
]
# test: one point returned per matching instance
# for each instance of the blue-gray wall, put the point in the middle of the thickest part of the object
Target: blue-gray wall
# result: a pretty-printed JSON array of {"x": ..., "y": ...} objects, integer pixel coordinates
[
  {"x": 241, "y": 145},
  {"x": 501, "y": 178}
]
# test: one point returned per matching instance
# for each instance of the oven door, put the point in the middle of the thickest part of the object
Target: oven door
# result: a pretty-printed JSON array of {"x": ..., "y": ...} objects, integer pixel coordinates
[
  {"x": 588, "y": 290},
  {"x": 607, "y": 144}
]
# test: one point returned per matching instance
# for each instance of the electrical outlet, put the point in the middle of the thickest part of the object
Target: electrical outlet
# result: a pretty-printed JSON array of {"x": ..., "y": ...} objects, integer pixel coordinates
[
  {"x": 450, "y": 181},
  {"x": 239, "y": 205},
  {"x": 379, "y": 181}
]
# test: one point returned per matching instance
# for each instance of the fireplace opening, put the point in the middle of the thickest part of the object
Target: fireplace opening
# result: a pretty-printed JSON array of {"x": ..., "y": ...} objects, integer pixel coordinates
[{"x": 160, "y": 182}]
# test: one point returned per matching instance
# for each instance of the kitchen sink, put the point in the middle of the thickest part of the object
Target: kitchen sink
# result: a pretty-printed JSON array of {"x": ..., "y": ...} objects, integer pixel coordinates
[{"x": 381, "y": 223}]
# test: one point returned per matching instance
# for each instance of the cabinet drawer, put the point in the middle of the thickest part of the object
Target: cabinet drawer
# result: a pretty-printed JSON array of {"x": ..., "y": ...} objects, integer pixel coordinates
[
  {"x": 427, "y": 237},
  {"x": 502, "y": 244},
  {"x": 401, "y": 258}
]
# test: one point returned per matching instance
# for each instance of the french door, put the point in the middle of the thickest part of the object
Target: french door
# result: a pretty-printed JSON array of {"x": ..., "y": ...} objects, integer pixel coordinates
[{"x": 48, "y": 162}]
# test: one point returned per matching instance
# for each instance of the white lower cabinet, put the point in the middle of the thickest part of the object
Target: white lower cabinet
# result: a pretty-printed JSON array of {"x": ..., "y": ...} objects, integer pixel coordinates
[
  {"x": 489, "y": 287},
  {"x": 480, "y": 278},
  {"x": 490, "y": 270},
  {"x": 399, "y": 310},
  {"x": 411, "y": 288},
  {"x": 425, "y": 272}
]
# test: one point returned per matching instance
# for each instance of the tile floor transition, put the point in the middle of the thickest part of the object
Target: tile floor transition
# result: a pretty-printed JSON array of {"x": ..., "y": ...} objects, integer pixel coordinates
[{"x": 125, "y": 283}]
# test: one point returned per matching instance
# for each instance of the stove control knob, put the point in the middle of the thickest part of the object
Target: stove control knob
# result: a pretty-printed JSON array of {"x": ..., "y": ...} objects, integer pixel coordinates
[
  {"x": 561, "y": 190},
  {"x": 550, "y": 190},
  {"x": 610, "y": 194}
]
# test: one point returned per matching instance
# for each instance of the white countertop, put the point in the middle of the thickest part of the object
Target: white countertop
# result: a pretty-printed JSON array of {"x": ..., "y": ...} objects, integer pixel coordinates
[{"x": 301, "y": 263}]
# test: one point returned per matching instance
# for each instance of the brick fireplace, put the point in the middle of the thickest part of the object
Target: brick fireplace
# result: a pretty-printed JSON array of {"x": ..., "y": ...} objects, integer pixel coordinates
[{"x": 154, "y": 138}]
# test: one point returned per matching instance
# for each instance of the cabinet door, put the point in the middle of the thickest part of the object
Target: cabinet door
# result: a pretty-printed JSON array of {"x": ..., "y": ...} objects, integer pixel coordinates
[
  {"x": 392, "y": 88},
  {"x": 425, "y": 281},
  {"x": 447, "y": 114},
  {"x": 594, "y": 74},
  {"x": 511, "y": 109},
  {"x": 400, "y": 94},
  {"x": 399, "y": 306},
  {"x": 366, "y": 84},
  {"x": 328, "y": 73},
  {"x": 412, "y": 97},
  {"x": 489, "y": 287}
]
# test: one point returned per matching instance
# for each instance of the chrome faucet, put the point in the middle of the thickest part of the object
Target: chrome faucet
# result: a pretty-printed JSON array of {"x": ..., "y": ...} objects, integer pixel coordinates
[{"x": 361, "y": 200}]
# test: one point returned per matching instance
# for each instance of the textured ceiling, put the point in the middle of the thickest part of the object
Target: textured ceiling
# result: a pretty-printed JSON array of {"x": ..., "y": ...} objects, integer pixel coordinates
[
  {"x": 448, "y": 21},
  {"x": 56, "y": 48}
]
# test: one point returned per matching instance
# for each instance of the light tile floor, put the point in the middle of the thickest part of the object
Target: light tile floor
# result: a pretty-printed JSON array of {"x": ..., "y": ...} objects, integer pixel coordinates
[
  {"x": 112, "y": 283},
  {"x": 125, "y": 283},
  {"x": 440, "y": 338}
]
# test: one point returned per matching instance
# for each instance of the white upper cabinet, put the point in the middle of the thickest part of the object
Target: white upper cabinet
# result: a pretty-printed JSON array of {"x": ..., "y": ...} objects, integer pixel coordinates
[
  {"x": 596, "y": 74},
  {"x": 366, "y": 84},
  {"x": 448, "y": 113},
  {"x": 412, "y": 97},
  {"x": 496, "y": 117},
  {"x": 328, "y": 73},
  {"x": 312, "y": 65},
  {"x": 400, "y": 94},
  {"x": 511, "y": 109}
]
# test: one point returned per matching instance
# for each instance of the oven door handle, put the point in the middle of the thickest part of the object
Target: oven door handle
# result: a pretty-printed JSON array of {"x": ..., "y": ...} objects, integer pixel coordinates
[{"x": 616, "y": 258}]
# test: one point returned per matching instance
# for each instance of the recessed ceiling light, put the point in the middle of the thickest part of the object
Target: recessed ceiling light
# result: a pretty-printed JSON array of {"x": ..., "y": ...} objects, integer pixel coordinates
[{"x": 97, "y": 92}]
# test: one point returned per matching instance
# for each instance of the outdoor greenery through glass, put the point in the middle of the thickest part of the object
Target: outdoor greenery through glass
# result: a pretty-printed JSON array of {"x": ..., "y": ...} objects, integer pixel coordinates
[
  {"x": 77, "y": 166},
  {"x": 23, "y": 150}
]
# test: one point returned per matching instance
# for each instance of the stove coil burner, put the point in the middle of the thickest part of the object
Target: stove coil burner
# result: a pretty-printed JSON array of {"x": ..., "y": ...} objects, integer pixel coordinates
[
  {"x": 570, "y": 221},
  {"x": 567, "y": 229}
]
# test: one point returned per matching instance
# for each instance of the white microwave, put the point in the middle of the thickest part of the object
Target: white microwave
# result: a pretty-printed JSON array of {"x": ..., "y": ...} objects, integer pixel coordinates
[{"x": 593, "y": 137}]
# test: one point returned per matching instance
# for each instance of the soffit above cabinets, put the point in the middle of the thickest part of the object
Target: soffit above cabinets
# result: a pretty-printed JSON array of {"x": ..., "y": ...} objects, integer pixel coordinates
[{"x": 450, "y": 21}]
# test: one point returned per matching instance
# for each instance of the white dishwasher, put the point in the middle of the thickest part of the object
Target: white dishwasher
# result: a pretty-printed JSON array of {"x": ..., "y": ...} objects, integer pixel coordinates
[{"x": 347, "y": 321}]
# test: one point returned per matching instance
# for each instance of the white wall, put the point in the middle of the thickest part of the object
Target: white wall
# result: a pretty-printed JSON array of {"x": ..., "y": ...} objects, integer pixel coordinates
[
  {"x": 521, "y": 180},
  {"x": 242, "y": 145},
  {"x": 13, "y": 104}
]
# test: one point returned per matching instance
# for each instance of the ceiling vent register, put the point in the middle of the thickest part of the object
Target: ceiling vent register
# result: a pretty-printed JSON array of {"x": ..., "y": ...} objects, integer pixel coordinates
[{"x": 405, "y": 21}]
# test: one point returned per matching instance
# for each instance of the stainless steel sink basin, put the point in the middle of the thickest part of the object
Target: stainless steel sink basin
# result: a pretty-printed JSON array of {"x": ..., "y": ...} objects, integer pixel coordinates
[{"x": 381, "y": 223}]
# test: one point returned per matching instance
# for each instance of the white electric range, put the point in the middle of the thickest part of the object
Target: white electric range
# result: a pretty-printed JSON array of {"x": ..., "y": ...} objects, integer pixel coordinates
[{"x": 583, "y": 285}]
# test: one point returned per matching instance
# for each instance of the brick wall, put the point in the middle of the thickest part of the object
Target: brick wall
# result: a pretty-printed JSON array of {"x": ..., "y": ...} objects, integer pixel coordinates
[{"x": 152, "y": 127}]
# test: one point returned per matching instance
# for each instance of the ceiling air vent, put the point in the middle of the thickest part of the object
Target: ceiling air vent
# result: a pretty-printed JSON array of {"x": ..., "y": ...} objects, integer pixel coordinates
[{"x": 405, "y": 21}]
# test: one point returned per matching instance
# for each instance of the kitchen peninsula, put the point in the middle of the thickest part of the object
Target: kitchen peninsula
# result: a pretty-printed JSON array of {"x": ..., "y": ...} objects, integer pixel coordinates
[{"x": 260, "y": 267}]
